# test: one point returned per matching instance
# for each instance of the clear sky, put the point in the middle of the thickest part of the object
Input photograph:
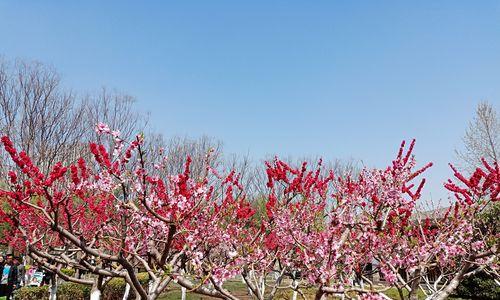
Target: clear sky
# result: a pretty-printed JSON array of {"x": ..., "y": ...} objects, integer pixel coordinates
[{"x": 330, "y": 78}]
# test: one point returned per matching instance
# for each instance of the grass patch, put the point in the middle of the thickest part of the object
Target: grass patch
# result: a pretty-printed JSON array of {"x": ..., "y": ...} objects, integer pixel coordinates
[
  {"x": 239, "y": 289},
  {"x": 393, "y": 293}
]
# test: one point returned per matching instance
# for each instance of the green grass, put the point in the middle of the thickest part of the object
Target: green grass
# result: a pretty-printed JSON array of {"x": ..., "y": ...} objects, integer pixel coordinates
[
  {"x": 393, "y": 293},
  {"x": 177, "y": 295},
  {"x": 236, "y": 287},
  {"x": 240, "y": 289}
]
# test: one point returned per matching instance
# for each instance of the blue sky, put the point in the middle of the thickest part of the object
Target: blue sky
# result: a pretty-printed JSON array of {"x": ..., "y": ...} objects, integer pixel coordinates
[{"x": 330, "y": 78}]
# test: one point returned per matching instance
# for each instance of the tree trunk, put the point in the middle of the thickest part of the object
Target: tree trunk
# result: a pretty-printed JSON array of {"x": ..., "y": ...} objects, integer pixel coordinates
[
  {"x": 53, "y": 291},
  {"x": 320, "y": 295},
  {"x": 413, "y": 294},
  {"x": 127, "y": 291},
  {"x": 150, "y": 287},
  {"x": 294, "y": 295},
  {"x": 137, "y": 295},
  {"x": 53, "y": 288},
  {"x": 183, "y": 293},
  {"x": 95, "y": 294},
  {"x": 249, "y": 291},
  {"x": 263, "y": 285},
  {"x": 446, "y": 292}
]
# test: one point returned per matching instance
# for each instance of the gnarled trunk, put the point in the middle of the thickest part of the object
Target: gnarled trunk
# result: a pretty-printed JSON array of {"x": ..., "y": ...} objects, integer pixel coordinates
[
  {"x": 448, "y": 290},
  {"x": 95, "y": 293},
  {"x": 127, "y": 291}
]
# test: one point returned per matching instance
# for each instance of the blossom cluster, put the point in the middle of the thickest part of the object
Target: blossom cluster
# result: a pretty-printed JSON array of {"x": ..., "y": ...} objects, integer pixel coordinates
[{"x": 120, "y": 209}]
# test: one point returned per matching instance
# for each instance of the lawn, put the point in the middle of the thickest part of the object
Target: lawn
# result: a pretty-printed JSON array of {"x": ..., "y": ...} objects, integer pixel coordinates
[{"x": 239, "y": 289}]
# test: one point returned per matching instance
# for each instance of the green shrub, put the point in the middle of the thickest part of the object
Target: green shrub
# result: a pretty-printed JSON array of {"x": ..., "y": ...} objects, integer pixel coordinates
[
  {"x": 73, "y": 291},
  {"x": 68, "y": 271},
  {"x": 65, "y": 291},
  {"x": 480, "y": 286},
  {"x": 115, "y": 288},
  {"x": 32, "y": 293}
]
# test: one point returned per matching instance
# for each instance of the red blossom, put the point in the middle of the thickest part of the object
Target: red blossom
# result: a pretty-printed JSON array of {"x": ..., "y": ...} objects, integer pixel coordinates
[{"x": 270, "y": 241}]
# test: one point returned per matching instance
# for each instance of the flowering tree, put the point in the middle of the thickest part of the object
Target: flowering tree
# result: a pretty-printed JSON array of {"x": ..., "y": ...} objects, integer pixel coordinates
[
  {"x": 328, "y": 227},
  {"x": 435, "y": 253},
  {"x": 111, "y": 217},
  {"x": 59, "y": 219},
  {"x": 121, "y": 213}
]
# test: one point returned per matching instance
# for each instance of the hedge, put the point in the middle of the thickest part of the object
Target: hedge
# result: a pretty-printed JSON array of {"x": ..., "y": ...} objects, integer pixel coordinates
[
  {"x": 480, "y": 286},
  {"x": 32, "y": 293},
  {"x": 113, "y": 290},
  {"x": 73, "y": 291}
]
